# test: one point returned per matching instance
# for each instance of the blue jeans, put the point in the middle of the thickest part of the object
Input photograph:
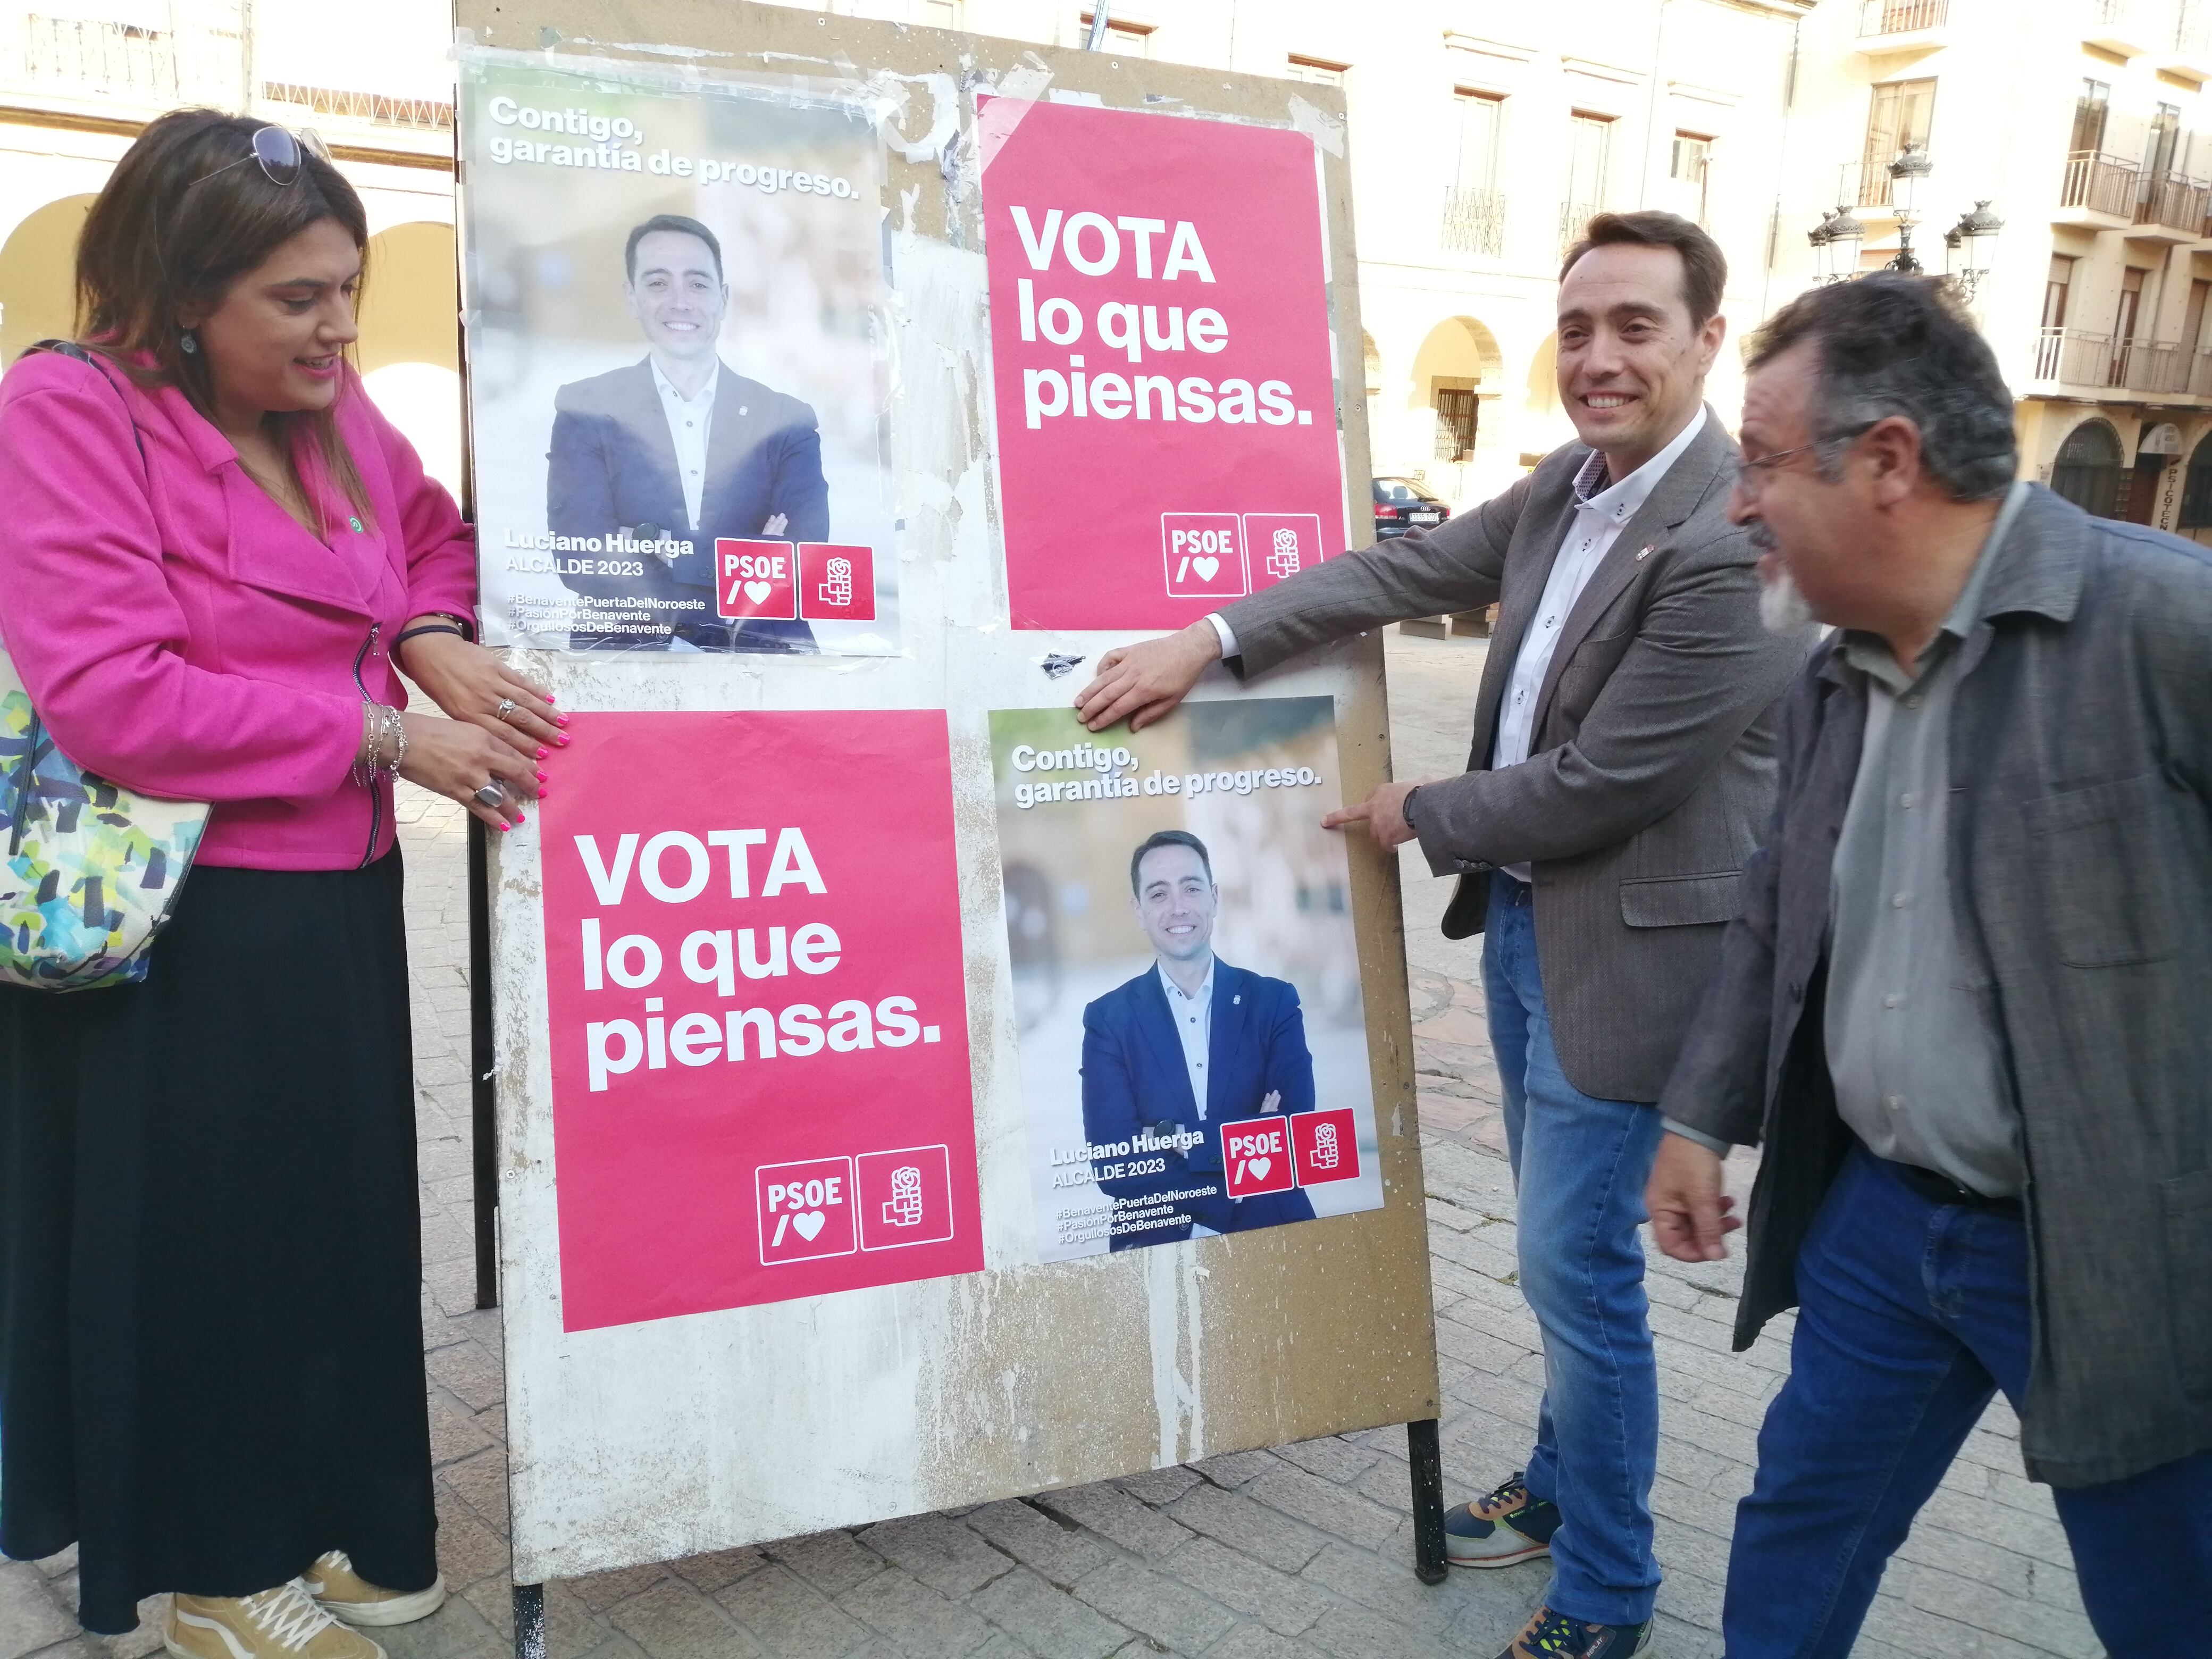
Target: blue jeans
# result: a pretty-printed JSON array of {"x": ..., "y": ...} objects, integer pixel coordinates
[
  {"x": 1579, "y": 1167},
  {"x": 1912, "y": 1315}
]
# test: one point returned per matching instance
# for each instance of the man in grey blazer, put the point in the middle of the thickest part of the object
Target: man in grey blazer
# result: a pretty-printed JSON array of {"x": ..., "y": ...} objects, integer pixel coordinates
[{"x": 1621, "y": 770}]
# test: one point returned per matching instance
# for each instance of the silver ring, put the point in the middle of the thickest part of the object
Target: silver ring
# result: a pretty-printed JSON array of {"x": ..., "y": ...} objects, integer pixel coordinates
[
  {"x": 507, "y": 706},
  {"x": 491, "y": 795}
]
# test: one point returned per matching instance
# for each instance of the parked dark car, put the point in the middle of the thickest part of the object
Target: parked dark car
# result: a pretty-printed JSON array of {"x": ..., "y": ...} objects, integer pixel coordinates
[{"x": 1401, "y": 505}]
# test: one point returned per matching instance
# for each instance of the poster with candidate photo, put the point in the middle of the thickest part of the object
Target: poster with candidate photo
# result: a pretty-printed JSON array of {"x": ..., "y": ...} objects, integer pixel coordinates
[
  {"x": 678, "y": 364},
  {"x": 1194, "y": 1048}
]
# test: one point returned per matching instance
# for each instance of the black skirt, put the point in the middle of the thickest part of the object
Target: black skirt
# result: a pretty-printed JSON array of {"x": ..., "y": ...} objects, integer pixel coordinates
[{"x": 210, "y": 1337}]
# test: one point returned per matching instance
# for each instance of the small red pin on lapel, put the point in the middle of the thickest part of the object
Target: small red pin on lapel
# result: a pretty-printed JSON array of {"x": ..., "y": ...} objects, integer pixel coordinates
[{"x": 1645, "y": 555}]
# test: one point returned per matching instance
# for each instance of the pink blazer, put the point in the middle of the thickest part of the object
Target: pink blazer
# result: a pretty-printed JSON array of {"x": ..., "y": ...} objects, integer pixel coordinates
[{"x": 181, "y": 635}]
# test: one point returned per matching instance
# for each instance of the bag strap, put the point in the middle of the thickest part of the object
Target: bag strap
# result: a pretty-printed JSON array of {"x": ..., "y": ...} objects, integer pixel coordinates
[
  {"x": 37, "y": 743},
  {"x": 93, "y": 360}
]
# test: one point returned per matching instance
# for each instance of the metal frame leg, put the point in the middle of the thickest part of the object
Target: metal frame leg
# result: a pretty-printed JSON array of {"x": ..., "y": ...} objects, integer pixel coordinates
[
  {"x": 1424, "y": 1454},
  {"x": 530, "y": 1621},
  {"x": 483, "y": 1123}
]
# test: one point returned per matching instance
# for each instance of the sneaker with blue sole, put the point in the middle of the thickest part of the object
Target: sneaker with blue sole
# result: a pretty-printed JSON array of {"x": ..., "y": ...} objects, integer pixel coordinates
[{"x": 1504, "y": 1529}]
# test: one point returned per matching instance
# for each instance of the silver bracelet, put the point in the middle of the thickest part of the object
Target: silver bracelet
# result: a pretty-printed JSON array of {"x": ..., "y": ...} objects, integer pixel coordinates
[{"x": 383, "y": 746}]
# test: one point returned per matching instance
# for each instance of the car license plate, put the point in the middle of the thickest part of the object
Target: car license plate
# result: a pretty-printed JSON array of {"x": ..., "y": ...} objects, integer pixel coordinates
[{"x": 1426, "y": 517}]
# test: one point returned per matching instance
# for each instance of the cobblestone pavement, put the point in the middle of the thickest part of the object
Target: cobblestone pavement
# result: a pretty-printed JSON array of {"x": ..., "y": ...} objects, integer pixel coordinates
[{"x": 1301, "y": 1552}]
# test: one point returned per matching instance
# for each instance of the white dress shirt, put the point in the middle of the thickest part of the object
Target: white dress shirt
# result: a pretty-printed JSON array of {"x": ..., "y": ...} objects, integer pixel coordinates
[
  {"x": 689, "y": 420},
  {"x": 1596, "y": 526},
  {"x": 1194, "y": 1024}
]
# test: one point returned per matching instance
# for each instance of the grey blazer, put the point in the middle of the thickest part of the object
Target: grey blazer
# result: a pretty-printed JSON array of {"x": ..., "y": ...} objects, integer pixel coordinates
[{"x": 1651, "y": 768}]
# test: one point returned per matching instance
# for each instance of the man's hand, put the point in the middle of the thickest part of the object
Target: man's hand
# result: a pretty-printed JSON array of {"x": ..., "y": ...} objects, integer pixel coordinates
[
  {"x": 1689, "y": 1211},
  {"x": 1144, "y": 682},
  {"x": 1383, "y": 813}
]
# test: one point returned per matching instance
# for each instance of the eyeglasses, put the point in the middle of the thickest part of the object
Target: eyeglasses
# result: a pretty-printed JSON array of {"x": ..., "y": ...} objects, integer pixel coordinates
[
  {"x": 282, "y": 153},
  {"x": 1750, "y": 470}
]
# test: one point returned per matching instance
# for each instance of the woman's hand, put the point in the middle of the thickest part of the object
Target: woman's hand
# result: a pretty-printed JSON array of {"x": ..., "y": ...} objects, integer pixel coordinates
[
  {"x": 456, "y": 758},
  {"x": 472, "y": 685}
]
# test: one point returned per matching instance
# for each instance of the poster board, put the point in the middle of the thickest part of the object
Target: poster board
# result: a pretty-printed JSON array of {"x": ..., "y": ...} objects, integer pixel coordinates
[{"x": 719, "y": 1384}]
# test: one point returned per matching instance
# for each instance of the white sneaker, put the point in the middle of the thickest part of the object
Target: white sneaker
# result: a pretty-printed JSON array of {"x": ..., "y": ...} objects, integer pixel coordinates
[{"x": 339, "y": 1589}]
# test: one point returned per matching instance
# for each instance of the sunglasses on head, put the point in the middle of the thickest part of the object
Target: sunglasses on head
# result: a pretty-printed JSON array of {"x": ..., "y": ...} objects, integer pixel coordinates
[{"x": 282, "y": 153}]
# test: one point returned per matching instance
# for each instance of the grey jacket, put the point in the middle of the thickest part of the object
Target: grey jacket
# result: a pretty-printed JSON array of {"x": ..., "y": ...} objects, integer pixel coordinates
[
  {"x": 2081, "y": 862},
  {"x": 1652, "y": 764}
]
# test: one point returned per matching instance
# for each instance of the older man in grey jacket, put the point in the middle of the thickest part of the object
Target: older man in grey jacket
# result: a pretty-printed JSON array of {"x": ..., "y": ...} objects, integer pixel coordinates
[
  {"x": 1965, "y": 1010},
  {"x": 1622, "y": 762}
]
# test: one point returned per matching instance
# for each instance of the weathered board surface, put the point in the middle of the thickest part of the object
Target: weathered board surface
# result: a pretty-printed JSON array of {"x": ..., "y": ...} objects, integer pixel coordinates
[{"x": 659, "y": 1440}]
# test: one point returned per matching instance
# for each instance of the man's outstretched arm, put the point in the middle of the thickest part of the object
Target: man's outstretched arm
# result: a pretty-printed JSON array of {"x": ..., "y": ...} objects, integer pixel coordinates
[{"x": 1456, "y": 567}]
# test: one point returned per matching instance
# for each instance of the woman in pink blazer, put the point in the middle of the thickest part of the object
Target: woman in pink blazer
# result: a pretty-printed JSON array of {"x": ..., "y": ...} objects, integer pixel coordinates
[{"x": 215, "y": 556}]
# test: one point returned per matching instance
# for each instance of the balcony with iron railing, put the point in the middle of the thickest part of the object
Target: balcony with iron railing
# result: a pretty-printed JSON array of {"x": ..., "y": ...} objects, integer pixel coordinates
[
  {"x": 76, "y": 60},
  {"x": 2189, "y": 52},
  {"x": 2200, "y": 374},
  {"x": 125, "y": 73},
  {"x": 2073, "y": 356},
  {"x": 2173, "y": 207},
  {"x": 1893, "y": 17},
  {"x": 2159, "y": 367},
  {"x": 2129, "y": 27},
  {"x": 2098, "y": 182},
  {"x": 1473, "y": 222}
]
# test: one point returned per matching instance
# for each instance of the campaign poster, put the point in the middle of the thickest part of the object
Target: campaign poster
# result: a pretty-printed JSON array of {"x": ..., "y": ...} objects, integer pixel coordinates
[
  {"x": 678, "y": 377},
  {"x": 1161, "y": 362},
  {"x": 1194, "y": 1050},
  {"x": 758, "y": 1020}
]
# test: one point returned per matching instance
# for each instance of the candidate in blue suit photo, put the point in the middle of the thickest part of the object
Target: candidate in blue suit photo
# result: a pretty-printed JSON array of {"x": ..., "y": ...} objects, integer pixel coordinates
[
  {"x": 677, "y": 447},
  {"x": 1188, "y": 1045}
]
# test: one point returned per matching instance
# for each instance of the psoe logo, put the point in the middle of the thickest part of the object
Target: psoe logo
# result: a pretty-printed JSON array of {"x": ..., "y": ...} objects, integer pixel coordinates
[{"x": 1205, "y": 555}]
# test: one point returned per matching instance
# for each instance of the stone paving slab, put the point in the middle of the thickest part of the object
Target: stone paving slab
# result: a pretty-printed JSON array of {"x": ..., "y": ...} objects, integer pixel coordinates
[{"x": 1299, "y": 1553}]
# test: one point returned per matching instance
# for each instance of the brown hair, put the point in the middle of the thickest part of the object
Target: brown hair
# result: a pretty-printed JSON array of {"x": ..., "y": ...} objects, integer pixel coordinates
[
  {"x": 147, "y": 253},
  {"x": 1704, "y": 267}
]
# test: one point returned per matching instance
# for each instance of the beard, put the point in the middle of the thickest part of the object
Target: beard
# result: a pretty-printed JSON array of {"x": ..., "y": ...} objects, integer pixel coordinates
[{"x": 1782, "y": 606}]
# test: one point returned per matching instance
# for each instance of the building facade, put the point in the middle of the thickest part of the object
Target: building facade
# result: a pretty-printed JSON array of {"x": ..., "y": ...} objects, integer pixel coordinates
[
  {"x": 1482, "y": 137},
  {"x": 2084, "y": 124},
  {"x": 79, "y": 77}
]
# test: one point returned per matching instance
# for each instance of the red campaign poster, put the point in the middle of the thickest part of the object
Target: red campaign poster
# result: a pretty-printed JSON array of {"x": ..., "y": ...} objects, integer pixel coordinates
[
  {"x": 758, "y": 1018},
  {"x": 1160, "y": 352}
]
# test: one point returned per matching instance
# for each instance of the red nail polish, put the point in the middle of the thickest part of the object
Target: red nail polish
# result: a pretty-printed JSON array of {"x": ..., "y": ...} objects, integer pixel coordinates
[
  {"x": 541, "y": 777},
  {"x": 519, "y": 818},
  {"x": 548, "y": 697},
  {"x": 563, "y": 742},
  {"x": 543, "y": 790},
  {"x": 542, "y": 754},
  {"x": 503, "y": 829},
  {"x": 560, "y": 719}
]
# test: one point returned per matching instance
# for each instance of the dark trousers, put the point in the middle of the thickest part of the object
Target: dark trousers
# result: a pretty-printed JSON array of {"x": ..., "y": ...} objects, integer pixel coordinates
[
  {"x": 1912, "y": 1315},
  {"x": 211, "y": 1254}
]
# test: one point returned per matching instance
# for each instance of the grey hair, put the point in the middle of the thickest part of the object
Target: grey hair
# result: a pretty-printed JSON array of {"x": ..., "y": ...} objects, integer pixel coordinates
[{"x": 1893, "y": 345}]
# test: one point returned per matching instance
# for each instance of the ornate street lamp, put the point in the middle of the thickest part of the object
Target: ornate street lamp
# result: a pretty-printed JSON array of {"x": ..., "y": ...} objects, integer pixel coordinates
[
  {"x": 1969, "y": 247},
  {"x": 1980, "y": 228},
  {"x": 1846, "y": 235},
  {"x": 1905, "y": 173},
  {"x": 1824, "y": 260}
]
